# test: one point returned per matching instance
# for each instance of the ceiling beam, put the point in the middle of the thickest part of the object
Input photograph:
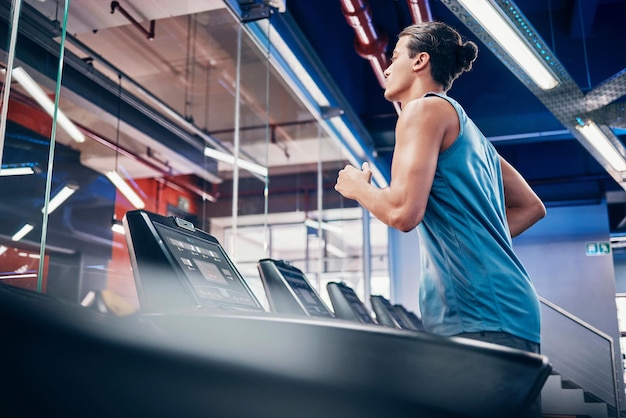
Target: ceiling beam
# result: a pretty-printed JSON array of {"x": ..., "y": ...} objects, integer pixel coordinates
[{"x": 583, "y": 16}]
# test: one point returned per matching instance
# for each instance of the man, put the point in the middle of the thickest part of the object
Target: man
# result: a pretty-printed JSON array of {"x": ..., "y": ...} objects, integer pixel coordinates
[{"x": 466, "y": 201}]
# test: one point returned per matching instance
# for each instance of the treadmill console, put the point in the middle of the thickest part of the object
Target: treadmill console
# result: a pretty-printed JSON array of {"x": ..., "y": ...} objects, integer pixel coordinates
[
  {"x": 409, "y": 319},
  {"x": 177, "y": 266},
  {"x": 385, "y": 313},
  {"x": 288, "y": 290},
  {"x": 347, "y": 304},
  {"x": 395, "y": 316}
]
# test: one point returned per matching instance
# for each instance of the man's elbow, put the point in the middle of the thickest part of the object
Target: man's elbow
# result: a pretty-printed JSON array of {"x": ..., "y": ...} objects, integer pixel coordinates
[
  {"x": 405, "y": 222},
  {"x": 534, "y": 213},
  {"x": 408, "y": 227},
  {"x": 539, "y": 210}
]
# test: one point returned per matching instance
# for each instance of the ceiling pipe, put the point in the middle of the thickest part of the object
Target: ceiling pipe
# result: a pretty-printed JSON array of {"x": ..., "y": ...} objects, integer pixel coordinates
[
  {"x": 115, "y": 5},
  {"x": 208, "y": 48},
  {"x": 167, "y": 174},
  {"x": 420, "y": 11},
  {"x": 369, "y": 42}
]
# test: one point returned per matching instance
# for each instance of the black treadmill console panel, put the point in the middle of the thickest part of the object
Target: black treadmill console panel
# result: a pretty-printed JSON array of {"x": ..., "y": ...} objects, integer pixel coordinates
[
  {"x": 288, "y": 290},
  {"x": 177, "y": 266},
  {"x": 347, "y": 304},
  {"x": 395, "y": 316},
  {"x": 408, "y": 319},
  {"x": 384, "y": 312}
]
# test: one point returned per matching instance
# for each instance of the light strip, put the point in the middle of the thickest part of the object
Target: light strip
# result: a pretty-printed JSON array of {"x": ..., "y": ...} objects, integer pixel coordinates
[
  {"x": 118, "y": 228},
  {"x": 230, "y": 159},
  {"x": 18, "y": 276},
  {"x": 59, "y": 198},
  {"x": 44, "y": 101},
  {"x": 596, "y": 138},
  {"x": 125, "y": 189},
  {"x": 510, "y": 40},
  {"x": 3, "y": 249},
  {"x": 337, "y": 252},
  {"x": 22, "y": 232},
  {"x": 312, "y": 223},
  {"x": 16, "y": 171}
]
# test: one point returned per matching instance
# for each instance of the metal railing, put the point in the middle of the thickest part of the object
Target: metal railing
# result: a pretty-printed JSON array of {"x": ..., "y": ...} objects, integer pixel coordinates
[{"x": 580, "y": 353}]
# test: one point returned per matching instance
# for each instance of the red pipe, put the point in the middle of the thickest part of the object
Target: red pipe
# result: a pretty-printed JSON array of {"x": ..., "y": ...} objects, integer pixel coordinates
[
  {"x": 420, "y": 11},
  {"x": 368, "y": 43}
]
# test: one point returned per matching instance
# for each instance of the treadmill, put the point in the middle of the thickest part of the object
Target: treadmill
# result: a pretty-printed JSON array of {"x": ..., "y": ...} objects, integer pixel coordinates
[
  {"x": 202, "y": 345},
  {"x": 409, "y": 317},
  {"x": 288, "y": 290},
  {"x": 394, "y": 316},
  {"x": 347, "y": 304},
  {"x": 179, "y": 267}
]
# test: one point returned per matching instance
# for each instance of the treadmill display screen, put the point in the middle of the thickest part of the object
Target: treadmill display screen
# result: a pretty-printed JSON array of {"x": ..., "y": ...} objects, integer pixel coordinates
[
  {"x": 357, "y": 305},
  {"x": 308, "y": 298},
  {"x": 207, "y": 268}
]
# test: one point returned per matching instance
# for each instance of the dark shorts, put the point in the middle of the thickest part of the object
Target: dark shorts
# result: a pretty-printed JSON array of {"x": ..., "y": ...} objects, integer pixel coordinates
[
  {"x": 508, "y": 340},
  {"x": 503, "y": 338}
]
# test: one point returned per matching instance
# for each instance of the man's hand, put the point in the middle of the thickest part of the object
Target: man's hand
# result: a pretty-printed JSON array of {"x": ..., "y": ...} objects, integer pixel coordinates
[{"x": 351, "y": 181}]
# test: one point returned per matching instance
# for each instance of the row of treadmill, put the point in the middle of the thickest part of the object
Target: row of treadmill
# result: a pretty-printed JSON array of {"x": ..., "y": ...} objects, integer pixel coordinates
[
  {"x": 289, "y": 292},
  {"x": 177, "y": 267},
  {"x": 202, "y": 345}
]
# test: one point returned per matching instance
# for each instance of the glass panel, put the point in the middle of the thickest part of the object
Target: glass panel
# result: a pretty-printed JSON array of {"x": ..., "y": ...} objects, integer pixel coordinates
[
  {"x": 30, "y": 133},
  {"x": 147, "y": 109},
  {"x": 250, "y": 248}
]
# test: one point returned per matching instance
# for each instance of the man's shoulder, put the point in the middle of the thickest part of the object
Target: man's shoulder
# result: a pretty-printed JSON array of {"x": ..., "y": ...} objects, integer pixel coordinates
[{"x": 432, "y": 104}]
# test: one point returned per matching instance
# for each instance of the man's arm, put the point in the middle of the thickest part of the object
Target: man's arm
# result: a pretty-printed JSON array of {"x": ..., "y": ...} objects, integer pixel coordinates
[
  {"x": 419, "y": 134},
  {"x": 523, "y": 206}
]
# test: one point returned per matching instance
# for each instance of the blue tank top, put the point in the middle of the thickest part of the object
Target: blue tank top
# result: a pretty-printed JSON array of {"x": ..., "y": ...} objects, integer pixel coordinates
[{"x": 471, "y": 279}]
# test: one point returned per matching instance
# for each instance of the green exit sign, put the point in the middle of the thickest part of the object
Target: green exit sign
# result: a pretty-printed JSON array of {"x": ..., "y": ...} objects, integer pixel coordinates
[{"x": 598, "y": 248}]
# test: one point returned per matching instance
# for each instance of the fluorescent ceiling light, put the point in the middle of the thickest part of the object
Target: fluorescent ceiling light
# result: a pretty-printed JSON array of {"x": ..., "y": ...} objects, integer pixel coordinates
[
  {"x": 596, "y": 138},
  {"x": 16, "y": 171},
  {"x": 44, "y": 101},
  {"x": 337, "y": 252},
  {"x": 511, "y": 41},
  {"x": 125, "y": 189},
  {"x": 22, "y": 232},
  {"x": 312, "y": 223},
  {"x": 59, "y": 198},
  {"x": 230, "y": 159}
]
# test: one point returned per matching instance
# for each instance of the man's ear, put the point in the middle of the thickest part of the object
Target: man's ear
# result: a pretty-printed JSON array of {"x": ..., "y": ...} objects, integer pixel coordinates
[{"x": 420, "y": 60}]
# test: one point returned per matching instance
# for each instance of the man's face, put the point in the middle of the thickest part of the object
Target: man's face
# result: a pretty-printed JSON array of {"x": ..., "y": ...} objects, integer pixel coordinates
[{"x": 399, "y": 74}]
